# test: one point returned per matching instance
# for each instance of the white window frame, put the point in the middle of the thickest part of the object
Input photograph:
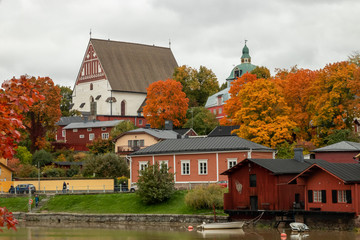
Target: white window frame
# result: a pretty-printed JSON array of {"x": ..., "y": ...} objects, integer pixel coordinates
[
  {"x": 185, "y": 163},
  {"x": 142, "y": 166},
  {"x": 91, "y": 136},
  {"x": 105, "y": 135},
  {"x": 140, "y": 121},
  {"x": 164, "y": 161},
  {"x": 63, "y": 133},
  {"x": 317, "y": 196},
  {"x": 75, "y": 130},
  {"x": 89, "y": 129},
  {"x": 341, "y": 196},
  {"x": 203, "y": 166},
  {"x": 81, "y": 136},
  {"x": 231, "y": 162}
]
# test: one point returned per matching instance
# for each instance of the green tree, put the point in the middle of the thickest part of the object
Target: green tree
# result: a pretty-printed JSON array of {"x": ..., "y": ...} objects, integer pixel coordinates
[
  {"x": 198, "y": 85},
  {"x": 122, "y": 127},
  {"x": 201, "y": 120},
  {"x": 261, "y": 72},
  {"x": 24, "y": 155},
  {"x": 101, "y": 146},
  {"x": 66, "y": 100},
  {"x": 355, "y": 58},
  {"x": 42, "y": 158},
  {"x": 52, "y": 171},
  {"x": 156, "y": 184},
  {"x": 108, "y": 165},
  {"x": 339, "y": 135}
]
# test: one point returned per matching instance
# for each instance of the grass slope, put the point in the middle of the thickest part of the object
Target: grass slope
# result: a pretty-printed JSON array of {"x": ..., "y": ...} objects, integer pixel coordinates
[{"x": 119, "y": 203}]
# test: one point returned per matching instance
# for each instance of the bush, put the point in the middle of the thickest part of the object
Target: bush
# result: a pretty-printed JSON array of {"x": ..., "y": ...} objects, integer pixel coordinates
[
  {"x": 206, "y": 197},
  {"x": 52, "y": 171},
  {"x": 155, "y": 184},
  {"x": 24, "y": 155},
  {"x": 108, "y": 165}
]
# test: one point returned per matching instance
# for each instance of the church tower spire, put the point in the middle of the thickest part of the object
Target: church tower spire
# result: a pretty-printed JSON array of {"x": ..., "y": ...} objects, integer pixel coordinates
[{"x": 245, "y": 58}]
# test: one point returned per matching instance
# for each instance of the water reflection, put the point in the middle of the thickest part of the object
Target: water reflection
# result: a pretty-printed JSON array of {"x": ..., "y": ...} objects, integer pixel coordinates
[{"x": 159, "y": 231}]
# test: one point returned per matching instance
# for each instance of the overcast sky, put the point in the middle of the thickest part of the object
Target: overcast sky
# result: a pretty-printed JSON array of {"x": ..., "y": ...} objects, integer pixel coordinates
[{"x": 49, "y": 37}]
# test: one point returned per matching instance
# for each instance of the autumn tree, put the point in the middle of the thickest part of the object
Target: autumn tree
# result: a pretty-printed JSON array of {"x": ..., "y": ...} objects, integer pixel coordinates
[
  {"x": 42, "y": 116},
  {"x": 198, "y": 85},
  {"x": 335, "y": 103},
  {"x": 7, "y": 219},
  {"x": 16, "y": 97},
  {"x": 355, "y": 58},
  {"x": 165, "y": 101},
  {"x": 201, "y": 120},
  {"x": 101, "y": 146},
  {"x": 263, "y": 115}
]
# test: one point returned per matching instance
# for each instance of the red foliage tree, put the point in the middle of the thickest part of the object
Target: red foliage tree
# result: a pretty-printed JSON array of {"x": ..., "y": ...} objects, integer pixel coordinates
[
  {"x": 16, "y": 97},
  {"x": 165, "y": 101},
  {"x": 6, "y": 218}
]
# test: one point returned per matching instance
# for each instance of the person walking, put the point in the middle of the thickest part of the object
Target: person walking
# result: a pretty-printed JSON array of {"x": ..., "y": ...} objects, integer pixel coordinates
[
  {"x": 36, "y": 200},
  {"x": 64, "y": 187},
  {"x": 67, "y": 187}
]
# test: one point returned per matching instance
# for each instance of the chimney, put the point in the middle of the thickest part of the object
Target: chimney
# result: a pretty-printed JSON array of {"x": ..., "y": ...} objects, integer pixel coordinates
[
  {"x": 298, "y": 154},
  {"x": 178, "y": 136},
  {"x": 168, "y": 125},
  {"x": 85, "y": 119}
]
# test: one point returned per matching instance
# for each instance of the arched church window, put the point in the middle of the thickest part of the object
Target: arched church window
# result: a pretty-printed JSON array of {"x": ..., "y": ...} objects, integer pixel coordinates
[
  {"x": 237, "y": 73},
  {"x": 123, "y": 105},
  {"x": 91, "y": 86},
  {"x": 91, "y": 99}
]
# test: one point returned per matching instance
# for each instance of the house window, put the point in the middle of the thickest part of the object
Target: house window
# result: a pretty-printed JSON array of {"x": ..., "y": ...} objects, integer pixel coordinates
[
  {"x": 252, "y": 180},
  {"x": 317, "y": 196},
  {"x": 105, "y": 135},
  {"x": 103, "y": 129},
  {"x": 185, "y": 167},
  {"x": 202, "y": 167},
  {"x": 142, "y": 166},
  {"x": 231, "y": 162},
  {"x": 214, "y": 111},
  {"x": 81, "y": 136},
  {"x": 341, "y": 196},
  {"x": 136, "y": 143},
  {"x": 63, "y": 133},
  {"x": 164, "y": 163},
  {"x": 75, "y": 130},
  {"x": 220, "y": 110},
  {"x": 89, "y": 129},
  {"x": 140, "y": 122},
  {"x": 123, "y": 104},
  {"x": 91, "y": 136}
]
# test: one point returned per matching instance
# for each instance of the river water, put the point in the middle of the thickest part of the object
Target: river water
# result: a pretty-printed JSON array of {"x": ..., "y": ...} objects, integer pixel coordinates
[{"x": 158, "y": 232}]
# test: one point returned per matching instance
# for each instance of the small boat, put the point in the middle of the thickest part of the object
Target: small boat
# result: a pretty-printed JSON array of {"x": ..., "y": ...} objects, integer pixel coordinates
[
  {"x": 299, "y": 227},
  {"x": 221, "y": 232},
  {"x": 225, "y": 225}
]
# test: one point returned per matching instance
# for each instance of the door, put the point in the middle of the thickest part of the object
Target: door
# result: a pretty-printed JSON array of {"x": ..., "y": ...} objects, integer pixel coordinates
[{"x": 253, "y": 203}]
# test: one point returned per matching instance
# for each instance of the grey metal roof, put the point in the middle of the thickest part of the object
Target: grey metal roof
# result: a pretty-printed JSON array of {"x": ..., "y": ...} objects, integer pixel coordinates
[
  {"x": 344, "y": 146},
  {"x": 202, "y": 145},
  {"x": 161, "y": 134},
  {"x": 221, "y": 131},
  {"x": 133, "y": 67},
  {"x": 277, "y": 166},
  {"x": 349, "y": 172},
  {"x": 92, "y": 124},
  {"x": 67, "y": 120},
  {"x": 213, "y": 99}
]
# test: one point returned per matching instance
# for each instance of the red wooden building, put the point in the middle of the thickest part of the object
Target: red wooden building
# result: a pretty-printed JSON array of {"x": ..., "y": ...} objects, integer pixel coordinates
[
  {"x": 341, "y": 152},
  {"x": 262, "y": 184},
  {"x": 331, "y": 187}
]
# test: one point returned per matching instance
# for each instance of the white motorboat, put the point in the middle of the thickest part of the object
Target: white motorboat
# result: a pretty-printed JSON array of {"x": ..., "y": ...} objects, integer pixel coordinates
[
  {"x": 299, "y": 227},
  {"x": 225, "y": 225}
]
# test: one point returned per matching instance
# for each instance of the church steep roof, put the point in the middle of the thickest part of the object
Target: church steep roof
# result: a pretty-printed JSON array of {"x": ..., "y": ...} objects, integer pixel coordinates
[{"x": 132, "y": 67}]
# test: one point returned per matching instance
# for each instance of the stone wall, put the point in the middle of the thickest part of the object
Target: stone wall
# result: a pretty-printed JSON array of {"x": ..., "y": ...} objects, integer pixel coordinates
[{"x": 117, "y": 218}]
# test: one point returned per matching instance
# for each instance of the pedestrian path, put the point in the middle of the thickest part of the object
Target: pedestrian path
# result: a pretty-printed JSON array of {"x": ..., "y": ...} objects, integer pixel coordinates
[{"x": 42, "y": 202}]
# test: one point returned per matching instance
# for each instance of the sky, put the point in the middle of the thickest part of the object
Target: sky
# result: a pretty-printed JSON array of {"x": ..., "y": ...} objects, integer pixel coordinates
[{"x": 49, "y": 37}]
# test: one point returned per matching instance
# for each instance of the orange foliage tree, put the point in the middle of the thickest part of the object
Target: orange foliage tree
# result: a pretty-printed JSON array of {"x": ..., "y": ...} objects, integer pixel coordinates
[
  {"x": 262, "y": 113},
  {"x": 42, "y": 116},
  {"x": 16, "y": 97},
  {"x": 165, "y": 101},
  {"x": 336, "y": 100},
  {"x": 296, "y": 87}
]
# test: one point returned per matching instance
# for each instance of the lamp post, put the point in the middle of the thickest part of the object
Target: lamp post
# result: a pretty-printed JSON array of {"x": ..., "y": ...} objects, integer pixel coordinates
[{"x": 38, "y": 175}]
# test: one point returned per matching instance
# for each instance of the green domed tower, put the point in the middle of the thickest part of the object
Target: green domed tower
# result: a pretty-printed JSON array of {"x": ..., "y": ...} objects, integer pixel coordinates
[{"x": 242, "y": 68}]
